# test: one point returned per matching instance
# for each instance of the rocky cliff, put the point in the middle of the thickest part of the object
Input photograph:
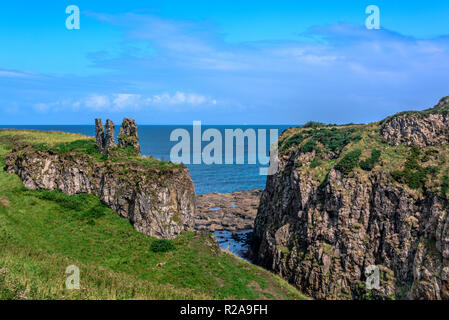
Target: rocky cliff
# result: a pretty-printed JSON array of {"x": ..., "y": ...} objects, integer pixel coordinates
[
  {"x": 425, "y": 128},
  {"x": 158, "y": 198},
  {"x": 347, "y": 198}
]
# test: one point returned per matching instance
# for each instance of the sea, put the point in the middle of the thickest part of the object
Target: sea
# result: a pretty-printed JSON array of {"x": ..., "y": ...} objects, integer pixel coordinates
[{"x": 222, "y": 178}]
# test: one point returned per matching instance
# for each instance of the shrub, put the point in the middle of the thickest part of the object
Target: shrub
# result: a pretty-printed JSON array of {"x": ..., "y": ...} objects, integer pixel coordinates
[
  {"x": 315, "y": 163},
  {"x": 86, "y": 206},
  {"x": 313, "y": 124},
  {"x": 74, "y": 202},
  {"x": 349, "y": 162},
  {"x": 414, "y": 175},
  {"x": 370, "y": 163},
  {"x": 309, "y": 146},
  {"x": 296, "y": 139},
  {"x": 161, "y": 245},
  {"x": 332, "y": 139}
]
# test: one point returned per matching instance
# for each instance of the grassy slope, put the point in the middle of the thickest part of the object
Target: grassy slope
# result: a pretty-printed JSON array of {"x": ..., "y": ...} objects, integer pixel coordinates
[
  {"x": 76, "y": 143},
  {"x": 40, "y": 237}
]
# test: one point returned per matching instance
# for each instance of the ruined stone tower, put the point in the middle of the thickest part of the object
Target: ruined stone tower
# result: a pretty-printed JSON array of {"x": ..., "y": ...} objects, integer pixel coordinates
[
  {"x": 127, "y": 136},
  {"x": 104, "y": 136}
]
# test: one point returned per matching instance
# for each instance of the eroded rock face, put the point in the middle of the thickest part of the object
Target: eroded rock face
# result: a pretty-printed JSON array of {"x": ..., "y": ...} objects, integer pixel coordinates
[
  {"x": 128, "y": 135},
  {"x": 158, "y": 203},
  {"x": 105, "y": 136},
  {"x": 421, "y": 129},
  {"x": 109, "y": 134},
  {"x": 99, "y": 135},
  {"x": 323, "y": 237}
]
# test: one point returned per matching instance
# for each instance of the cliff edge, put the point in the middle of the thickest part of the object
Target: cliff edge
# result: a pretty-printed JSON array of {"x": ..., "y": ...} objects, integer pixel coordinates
[
  {"x": 157, "y": 197},
  {"x": 350, "y": 198}
]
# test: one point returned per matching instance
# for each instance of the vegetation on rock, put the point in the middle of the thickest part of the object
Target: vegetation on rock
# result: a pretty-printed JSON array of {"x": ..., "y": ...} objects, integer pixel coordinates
[
  {"x": 388, "y": 208},
  {"x": 349, "y": 162}
]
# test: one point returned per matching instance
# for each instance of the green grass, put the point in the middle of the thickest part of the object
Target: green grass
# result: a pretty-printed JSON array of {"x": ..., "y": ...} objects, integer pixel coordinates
[
  {"x": 43, "y": 232},
  {"x": 77, "y": 144}
]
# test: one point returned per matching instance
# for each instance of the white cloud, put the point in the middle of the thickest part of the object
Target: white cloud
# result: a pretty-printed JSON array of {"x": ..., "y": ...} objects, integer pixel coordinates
[
  {"x": 123, "y": 101},
  {"x": 97, "y": 102},
  {"x": 13, "y": 74},
  {"x": 179, "y": 98},
  {"x": 42, "y": 107},
  {"x": 127, "y": 101}
]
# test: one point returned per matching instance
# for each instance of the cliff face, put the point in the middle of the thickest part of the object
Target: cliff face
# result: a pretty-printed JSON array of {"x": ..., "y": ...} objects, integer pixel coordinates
[
  {"x": 157, "y": 201},
  {"x": 428, "y": 128},
  {"x": 323, "y": 220}
]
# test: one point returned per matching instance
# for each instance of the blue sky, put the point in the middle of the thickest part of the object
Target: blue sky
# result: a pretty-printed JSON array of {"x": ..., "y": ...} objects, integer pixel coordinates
[{"x": 221, "y": 62}]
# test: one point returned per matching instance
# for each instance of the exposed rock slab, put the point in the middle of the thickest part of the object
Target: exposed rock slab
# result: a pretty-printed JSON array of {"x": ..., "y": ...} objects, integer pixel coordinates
[
  {"x": 227, "y": 211},
  {"x": 428, "y": 128}
]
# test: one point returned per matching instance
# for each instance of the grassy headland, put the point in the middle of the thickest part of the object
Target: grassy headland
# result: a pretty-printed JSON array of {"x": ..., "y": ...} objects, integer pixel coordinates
[
  {"x": 361, "y": 149},
  {"x": 43, "y": 232}
]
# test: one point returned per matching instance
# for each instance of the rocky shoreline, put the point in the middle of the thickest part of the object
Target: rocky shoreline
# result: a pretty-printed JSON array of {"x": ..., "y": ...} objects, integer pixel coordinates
[{"x": 234, "y": 211}]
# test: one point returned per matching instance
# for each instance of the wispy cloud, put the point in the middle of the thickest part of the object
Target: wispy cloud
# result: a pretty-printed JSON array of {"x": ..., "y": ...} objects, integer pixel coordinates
[
  {"x": 14, "y": 74},
  {"x": 122, "y": 102}
]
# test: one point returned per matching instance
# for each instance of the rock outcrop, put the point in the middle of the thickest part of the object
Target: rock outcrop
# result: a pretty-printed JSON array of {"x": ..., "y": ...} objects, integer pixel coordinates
[
  {"x": 428, "y": 128},
  {"x": 128, "y": 135},
  {"x": 234, "y": 211},
  {"x": 157, "y": 201},
  {"x": 105, "y": 136},
  {"x": 323, "y": 234},
  {"x": 99, "y": 135}
]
